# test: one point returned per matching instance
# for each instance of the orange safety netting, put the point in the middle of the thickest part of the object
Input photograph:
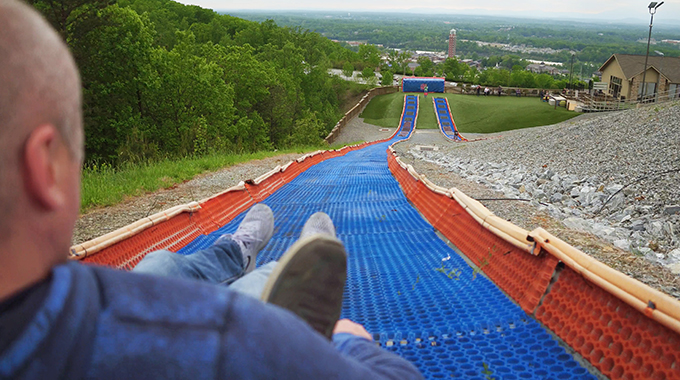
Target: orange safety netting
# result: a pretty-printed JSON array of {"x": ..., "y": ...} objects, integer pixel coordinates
[{"x": 618, "y": 340}]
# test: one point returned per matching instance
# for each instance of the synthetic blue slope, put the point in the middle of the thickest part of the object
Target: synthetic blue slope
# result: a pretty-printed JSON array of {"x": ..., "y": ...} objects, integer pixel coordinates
[
  {"x": 408, "y": 116},
  {"x": 450, "y": 327},
  {"x": 445, "y": 119}
]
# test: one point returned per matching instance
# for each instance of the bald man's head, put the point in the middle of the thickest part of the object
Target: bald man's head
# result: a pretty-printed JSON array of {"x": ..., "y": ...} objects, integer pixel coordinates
[{"x": 39, "y": 84}]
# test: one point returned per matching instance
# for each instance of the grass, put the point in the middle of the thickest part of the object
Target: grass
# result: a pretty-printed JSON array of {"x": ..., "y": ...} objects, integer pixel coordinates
[
  {"x": 472, "y": 114},
  {"x": 384, "y": 110},
  {"x": 105, "y": 186},
  {"x": 426, "y": 116}
]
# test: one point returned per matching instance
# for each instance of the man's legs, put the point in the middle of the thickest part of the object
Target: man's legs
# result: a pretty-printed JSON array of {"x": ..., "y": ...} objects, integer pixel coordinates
[
  {"x": 229, "y": 258},
  {"x": 309, "y": 281},
  {"x": 218, "y": 264},
  {"x": 252, "y": 284}
]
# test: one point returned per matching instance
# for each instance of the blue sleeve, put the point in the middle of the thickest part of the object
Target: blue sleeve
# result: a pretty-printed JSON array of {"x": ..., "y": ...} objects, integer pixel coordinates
[
  {"x": 387, "y": 364},
  {"x": 265, "y": 341}
]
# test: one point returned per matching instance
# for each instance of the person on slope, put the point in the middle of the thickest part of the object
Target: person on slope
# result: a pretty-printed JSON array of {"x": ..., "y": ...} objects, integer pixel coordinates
[{"x": 61, "y": 319}]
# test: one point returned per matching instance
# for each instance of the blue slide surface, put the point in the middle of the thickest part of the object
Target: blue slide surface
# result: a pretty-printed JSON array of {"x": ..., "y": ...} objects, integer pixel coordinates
[
  {"x": 445, "y": 119},
  {"x": 451, "y": 327}
]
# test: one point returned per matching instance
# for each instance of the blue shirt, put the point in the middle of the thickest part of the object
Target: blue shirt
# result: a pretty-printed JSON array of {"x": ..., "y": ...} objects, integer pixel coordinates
[{"x": 101, "y": 323}]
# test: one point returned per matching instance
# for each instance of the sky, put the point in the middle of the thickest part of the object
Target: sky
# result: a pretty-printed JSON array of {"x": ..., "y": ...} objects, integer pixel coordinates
[{"x": 606, "y": 10}]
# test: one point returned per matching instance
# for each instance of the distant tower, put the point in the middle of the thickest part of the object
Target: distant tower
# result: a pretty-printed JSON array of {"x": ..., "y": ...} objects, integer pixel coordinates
[{"x": 452, "y": 43}]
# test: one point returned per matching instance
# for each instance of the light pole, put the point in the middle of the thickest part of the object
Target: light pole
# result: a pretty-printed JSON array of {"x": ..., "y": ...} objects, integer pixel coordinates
[{"x": 652, "y": 10}]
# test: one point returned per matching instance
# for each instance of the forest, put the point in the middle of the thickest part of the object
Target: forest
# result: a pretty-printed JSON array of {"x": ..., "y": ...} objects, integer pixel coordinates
[
  {"x": 163, "y": 80},
  {"x": 591, "y": 43}
]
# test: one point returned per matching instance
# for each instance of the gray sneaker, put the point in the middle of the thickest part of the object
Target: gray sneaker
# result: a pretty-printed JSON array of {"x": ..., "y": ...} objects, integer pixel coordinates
[
  {"x": 309, "y": 280},
  {"x": 318, "y": 223},
  {"x": 253, "y": 234}
]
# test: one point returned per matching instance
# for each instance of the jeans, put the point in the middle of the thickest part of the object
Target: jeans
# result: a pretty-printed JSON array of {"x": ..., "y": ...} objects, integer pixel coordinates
[{"x": 221, "y": 263}]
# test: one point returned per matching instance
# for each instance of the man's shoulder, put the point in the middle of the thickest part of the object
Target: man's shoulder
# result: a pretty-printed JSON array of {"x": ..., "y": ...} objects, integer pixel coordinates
[
  {"x": 157, "y": 327},
  {"x": 139, "y": 298}
]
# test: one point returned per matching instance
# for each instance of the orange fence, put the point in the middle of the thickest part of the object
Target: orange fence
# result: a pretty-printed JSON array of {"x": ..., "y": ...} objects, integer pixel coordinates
[{"x": 596, "y": 310}]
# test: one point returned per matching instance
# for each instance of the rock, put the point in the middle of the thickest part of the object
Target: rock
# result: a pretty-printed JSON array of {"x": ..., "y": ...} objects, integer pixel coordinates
[
  {"x": 522, "y": 189},
  {"x": 600, "y": 188},
  {"x": 645, "y": 210},
  {"x": 674, "y": 256},
  {"x": 655, "y": 228},
  {"x": 638, "y": 225},
  {"x": 645, "y": 251},
  {"x": 611, "y": 189},
  {"x": 670, "y": 210},
  {"x": 540, "y": 195},
  {"x": 617, "y": 201},
  {"x": 556, "y": 198},
  {"x": 577, "y": 224},
  {"x": 547, "y": 175},
  {"x": 622, "y": 244},
  {"x": 603, "y": 231},
  {"x": 675, "y": 268},
  {"x": 575, "y": 192}
]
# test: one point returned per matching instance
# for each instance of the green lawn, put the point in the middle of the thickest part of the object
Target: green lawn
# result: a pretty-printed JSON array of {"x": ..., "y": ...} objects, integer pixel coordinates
[
  {"x": 472, "y": 114},
  {"x": 384, "y": 110},
  {"x": 426, "y": 116}
]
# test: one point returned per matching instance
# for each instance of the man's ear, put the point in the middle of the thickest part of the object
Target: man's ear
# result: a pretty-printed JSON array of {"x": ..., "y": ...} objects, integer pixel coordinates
[{"x": 40, "y": 167}]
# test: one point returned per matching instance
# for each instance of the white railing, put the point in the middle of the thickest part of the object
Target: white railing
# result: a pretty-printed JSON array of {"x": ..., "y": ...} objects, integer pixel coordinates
[{"x": 593, "y": 104}]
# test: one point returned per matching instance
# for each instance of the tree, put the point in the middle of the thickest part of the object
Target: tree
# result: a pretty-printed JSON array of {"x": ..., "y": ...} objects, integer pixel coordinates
[
  {"x": 63, "y": 13},
  {"x": 368, "y": 74},
  {"x": 426, "y": 68},
  {"x": 189, "y": 89},
  {"x": 397, "y": 60},
  {"x": 387, "y": 78},
  {"x": 112, "y": 47},
  {"x": 306, "y": 132},
  {"x": 348, "y": 70},
  {"x": 544, "y": 81},
  {"x": 453, "y": 69},
  {"x": 370, "y": 55}
]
